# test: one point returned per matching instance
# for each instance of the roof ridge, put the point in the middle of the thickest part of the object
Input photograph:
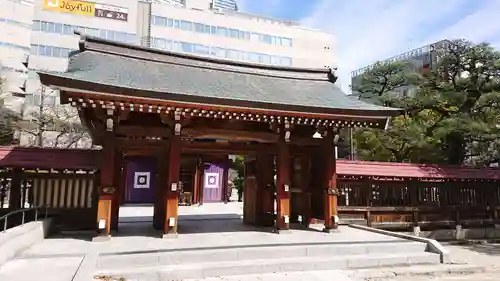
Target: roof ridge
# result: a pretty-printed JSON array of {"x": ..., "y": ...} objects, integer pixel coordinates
[{"x": 92, "y": 43}]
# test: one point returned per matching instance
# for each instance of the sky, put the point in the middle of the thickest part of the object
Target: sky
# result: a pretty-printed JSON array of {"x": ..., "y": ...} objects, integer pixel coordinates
[{"x": 366, "y": 31}]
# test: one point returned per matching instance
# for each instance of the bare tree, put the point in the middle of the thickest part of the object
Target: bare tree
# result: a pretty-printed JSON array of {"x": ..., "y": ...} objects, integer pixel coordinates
[
  {"x": 46, "y": 124},
  {"x": 8, "y": 118}
]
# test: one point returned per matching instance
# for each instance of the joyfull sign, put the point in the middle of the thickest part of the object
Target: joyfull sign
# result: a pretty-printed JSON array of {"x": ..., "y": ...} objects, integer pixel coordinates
[{"x": 87, "y": 9}]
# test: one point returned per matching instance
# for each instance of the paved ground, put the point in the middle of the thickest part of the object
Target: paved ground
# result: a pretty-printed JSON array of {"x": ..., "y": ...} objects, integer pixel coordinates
[
  {"x": 56, "y": 259},
  {"x": 193, "y": 233}
]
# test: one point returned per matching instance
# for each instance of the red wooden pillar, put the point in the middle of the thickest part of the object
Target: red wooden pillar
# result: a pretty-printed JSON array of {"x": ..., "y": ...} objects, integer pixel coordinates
[
  {"x": 283, "y": 184},
  {"x": 106, "y": 188},
  {"x": 197, "y": 183},
  {"x": 172, "y": 192},
  {"x": 331, "y": 191},
  {"x": 265, "y": 176}
]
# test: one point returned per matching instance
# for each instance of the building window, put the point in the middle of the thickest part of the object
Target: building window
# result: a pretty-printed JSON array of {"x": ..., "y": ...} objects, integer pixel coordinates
[
  {"x": 218, "y": 52},
  {"x": 201, "y": 49},
  {"x": 14, "y": 22},
  {"x": 232, "y": 54},
  {"x": 10, "y": 45},
  {"x": 233, "y": 33},
  {"x": 50, "y": 51},
  {"x": 66, "y": 29},
  {"x": 199, "y": 27},
  {"x": 186, "y": 25},
  {"x": 286, "y": 42},
  {"x": 220, "y": 31}
]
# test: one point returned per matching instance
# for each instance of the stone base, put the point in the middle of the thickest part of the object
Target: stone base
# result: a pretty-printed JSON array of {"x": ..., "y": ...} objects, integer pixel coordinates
[
  {"x": 331, "y": 230},
  {"x": 282, "y": 231},
  {"x": 416, "y": 231},
  {"x": 101, "y": 238},
  {"x": 170, "y": 236},
  {"x": 298, "y": 225}
]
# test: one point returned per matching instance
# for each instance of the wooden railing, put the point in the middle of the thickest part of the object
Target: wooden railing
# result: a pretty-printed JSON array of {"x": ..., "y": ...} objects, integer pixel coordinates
[
  {"x": 406, "y": 203},
  {"x": 69, "y": 195}
]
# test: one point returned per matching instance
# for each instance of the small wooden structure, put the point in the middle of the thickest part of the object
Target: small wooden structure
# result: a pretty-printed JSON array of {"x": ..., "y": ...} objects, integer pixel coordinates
[
  {"x": 161, "y": 117},
  {"x": 64, "y": 180},
  {"x": 399, "y": 195}
]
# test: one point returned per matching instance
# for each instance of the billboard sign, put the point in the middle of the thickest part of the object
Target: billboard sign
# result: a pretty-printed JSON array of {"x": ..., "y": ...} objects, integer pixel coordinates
[
  {"x": 87, "y": 9},
  {"x": 111, "y": 12}
]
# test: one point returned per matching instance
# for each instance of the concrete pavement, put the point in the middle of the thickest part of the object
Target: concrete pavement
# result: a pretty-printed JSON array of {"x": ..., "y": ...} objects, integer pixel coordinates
[{"x": 62, "y": 258}]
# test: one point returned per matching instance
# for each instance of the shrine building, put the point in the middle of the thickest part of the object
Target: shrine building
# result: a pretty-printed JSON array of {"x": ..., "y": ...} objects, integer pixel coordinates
[{"x": 168, "y": 121}]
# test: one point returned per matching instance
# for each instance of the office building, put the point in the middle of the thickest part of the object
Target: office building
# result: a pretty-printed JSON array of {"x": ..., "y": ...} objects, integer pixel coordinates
[
  {"x": 14, "y": 47},
  {"x": 45, "y": 29}
]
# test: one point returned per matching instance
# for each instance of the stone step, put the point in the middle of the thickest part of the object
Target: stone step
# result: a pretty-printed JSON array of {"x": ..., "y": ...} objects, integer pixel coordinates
[
  {"x": 442, "y": 271},
  {"x": 222, "y": 254},
  {"x": 434, "y": 270},
  {"x": 263, "y": 266}
]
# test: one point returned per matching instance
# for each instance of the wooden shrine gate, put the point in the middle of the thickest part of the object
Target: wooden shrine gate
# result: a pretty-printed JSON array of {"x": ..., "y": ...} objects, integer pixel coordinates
[
  {"x": 383, "y": 195},
  {"x": 141, "y": 102}
]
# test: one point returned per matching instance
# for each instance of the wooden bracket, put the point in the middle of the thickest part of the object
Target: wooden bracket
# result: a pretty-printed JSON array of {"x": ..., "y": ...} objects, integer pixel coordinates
[
  {"x": 333, "y": 191},
  {"x": 288, "y": 128}
]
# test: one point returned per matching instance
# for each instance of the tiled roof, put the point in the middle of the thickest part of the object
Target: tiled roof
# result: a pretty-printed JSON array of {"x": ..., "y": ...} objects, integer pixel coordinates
[
  {"x": 145, "y": 72},
  {"x": 408, "y": 170},
  {"x": 48, "y": 158}
]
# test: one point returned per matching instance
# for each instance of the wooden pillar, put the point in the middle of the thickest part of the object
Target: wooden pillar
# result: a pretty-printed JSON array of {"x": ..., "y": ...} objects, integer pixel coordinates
[
  {"x": 413, "y": 188},
  {"x": 162, "y": 180},
  {"x": 201, "y": 167},
  {"x": 265, "y": 193},
  {"x": 106, "y": 188},
  {"x": 15, "y": 194},
  {"x": 172, "y": 192},
  {"x": 117, "y": 196},
  {"x": 368, "y": 198},
  {"x": 225, "y": 178},
  {"x": 305, "y": 186},
  {"x": 331, "y": 191},
  {"x": 197, "y": 183},
  {"x": 283, "y": 184}
]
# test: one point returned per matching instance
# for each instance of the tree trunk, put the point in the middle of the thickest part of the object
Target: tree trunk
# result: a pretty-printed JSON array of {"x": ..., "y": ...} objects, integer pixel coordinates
[{"x": 455, "y": 149}]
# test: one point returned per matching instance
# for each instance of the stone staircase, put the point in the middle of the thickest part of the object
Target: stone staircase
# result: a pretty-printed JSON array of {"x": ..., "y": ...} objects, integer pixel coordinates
[{"x": 260, "y": 259}]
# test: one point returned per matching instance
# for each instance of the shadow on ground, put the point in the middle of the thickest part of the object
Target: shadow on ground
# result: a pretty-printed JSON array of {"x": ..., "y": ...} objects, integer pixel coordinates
[{"x": 484, "y": 248}]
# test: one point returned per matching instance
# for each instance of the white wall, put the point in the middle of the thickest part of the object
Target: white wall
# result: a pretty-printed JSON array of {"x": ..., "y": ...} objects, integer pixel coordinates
[
  {"x": 310, "y": 48},
  {"x": 15, "y": 28}
]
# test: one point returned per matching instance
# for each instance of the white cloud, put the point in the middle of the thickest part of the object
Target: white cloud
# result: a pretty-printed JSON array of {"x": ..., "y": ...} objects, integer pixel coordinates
[{"x": 367, "y": 31}]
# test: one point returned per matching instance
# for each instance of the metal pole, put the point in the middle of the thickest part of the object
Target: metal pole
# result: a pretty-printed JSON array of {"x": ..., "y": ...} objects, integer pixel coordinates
[
  {"x": 5, "y": 224},
  {"x": 351, "y": 140},
  {"x": 46, "y": 211},
  {"x": 36, "y": 214},
  {"x": 22, "y": 221}
]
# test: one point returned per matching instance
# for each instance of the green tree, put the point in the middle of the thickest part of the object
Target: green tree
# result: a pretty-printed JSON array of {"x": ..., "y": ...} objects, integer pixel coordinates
[
  {"x": 462, "y": 93},
  {"x": 387, "y": 83},
  {"x": 238, "y": 164},
  {"x": 451, "y": 116}
]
